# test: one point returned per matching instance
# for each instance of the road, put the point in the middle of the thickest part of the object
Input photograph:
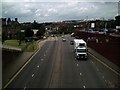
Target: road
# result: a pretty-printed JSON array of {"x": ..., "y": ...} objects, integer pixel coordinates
[{"x": 54, "y": 66}]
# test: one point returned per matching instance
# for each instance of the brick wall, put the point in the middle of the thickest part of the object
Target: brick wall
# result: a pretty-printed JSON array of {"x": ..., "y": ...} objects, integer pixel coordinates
[{"x": 106, "y": 45}]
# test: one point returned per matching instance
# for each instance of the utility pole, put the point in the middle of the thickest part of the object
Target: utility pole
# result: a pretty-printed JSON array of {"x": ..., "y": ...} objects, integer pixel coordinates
[{"x": 118, "y": 8}]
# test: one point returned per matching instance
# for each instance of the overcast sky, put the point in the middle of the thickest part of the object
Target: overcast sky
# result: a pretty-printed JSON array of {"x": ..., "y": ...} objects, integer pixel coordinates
[{"x": 47, "y": 11}]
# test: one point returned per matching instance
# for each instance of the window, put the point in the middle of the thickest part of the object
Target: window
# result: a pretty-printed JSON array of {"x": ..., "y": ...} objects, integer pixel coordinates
[
  {"x": 81, "y": 50},
  {"x": 82, "y": 44}
]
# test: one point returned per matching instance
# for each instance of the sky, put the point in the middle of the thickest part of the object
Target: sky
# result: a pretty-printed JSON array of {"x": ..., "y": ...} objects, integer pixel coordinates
[{"x": 54, "y": 11}]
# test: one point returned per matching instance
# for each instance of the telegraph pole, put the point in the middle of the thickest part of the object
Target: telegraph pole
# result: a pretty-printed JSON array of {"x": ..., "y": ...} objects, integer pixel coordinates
[{"x": 118, "y": 8}]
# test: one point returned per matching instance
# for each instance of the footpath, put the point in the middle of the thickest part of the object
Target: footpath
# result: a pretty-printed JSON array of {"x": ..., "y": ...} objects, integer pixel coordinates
[{"x": 105, "y": 61}]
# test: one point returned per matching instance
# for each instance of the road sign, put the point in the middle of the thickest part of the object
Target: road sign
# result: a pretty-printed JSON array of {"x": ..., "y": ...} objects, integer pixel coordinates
[{"x": 92, "y": 25}]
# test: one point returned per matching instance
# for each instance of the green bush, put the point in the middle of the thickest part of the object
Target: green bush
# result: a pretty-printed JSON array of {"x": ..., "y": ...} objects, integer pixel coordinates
[{"x": 31, "y": 47}]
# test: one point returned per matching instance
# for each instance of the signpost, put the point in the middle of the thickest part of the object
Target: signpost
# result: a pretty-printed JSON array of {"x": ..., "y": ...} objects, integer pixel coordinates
[{"x": 92, "y": 25}]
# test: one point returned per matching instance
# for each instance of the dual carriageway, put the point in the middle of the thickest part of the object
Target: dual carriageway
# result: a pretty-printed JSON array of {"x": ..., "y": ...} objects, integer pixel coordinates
[{"x": 55, "y": 66}]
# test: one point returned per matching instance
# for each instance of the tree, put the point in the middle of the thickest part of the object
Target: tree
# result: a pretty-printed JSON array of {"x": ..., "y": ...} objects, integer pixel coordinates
[
  {"x": 117, "y": 21},
  {"x": 4, "y": 36},
  {"x": 29, "y": 33},
  {"x": 41, "y": 31},
  {"x": 39, "y": 34},
  {"x": 20, "y": 36}
]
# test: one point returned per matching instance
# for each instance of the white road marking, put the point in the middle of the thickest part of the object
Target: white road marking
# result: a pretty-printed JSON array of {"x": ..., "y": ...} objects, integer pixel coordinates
[
  {"x": 102, "y": 76},
  {"x": 84, "y": 86},
  {"x": 41, "y": 59},
  {"x": 97, "y": 69},
  {"x": 21, "y": 69},
  {"x": 42, "y": 43},
  {"x": 92, "y": 62},
  {"x": 77, "y": 65},
  {"x": 80, "y": 74},
  {"x": 24, "y": 88},
  {"x": 32, "y": 75},
  {"x": 38, "y": 66}
]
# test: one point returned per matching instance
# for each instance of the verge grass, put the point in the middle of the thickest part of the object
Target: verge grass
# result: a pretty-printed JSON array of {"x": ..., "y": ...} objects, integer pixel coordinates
[
  {"x": 15, "y": 43},
  {"x": 28, "y": 47},
  {"x": 31, "y": 47}
]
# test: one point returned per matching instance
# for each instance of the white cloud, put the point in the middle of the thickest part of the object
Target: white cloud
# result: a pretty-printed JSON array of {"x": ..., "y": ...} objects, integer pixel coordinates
[
  {"x": 58, "y": 11},
  {"x": 60, "y": 0},
  {"x": 52, "y": 10},
  {"x": 46, "y": 15}
]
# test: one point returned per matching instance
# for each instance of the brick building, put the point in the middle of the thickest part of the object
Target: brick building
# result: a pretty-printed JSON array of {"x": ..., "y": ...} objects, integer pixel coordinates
[{"x": 10, "y": 27}]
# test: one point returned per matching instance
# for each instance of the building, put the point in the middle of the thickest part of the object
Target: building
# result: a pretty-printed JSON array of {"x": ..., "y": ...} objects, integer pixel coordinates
[{"x": 10, "y": 27}]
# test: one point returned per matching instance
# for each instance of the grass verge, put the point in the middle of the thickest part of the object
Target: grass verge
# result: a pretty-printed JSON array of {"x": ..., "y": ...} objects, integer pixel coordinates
[
  {"x": 28, "y": 47},
  {"x": 14, "y": 43},
  {"x": 31, "y": 47}
]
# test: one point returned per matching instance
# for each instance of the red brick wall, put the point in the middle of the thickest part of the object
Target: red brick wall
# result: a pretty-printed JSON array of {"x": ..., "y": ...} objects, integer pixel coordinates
[{"x": 106, "y": 45}]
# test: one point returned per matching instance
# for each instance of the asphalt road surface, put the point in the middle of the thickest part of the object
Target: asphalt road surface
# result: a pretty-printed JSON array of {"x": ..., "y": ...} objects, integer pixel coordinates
[{"x": 54, "y": 66}]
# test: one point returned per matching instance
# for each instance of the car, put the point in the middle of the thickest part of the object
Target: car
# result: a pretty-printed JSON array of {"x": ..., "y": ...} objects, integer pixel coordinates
[
  {"x": 62, "y": 36},
  {"x": 89, "y": 30},
  {"x": 71, "y": 42},
  {"x": 72, "y": 34},
  {"x": 52, "y": 36},
  {"x": 63, "y": 39},
  {"x": 44, "y": 37}
]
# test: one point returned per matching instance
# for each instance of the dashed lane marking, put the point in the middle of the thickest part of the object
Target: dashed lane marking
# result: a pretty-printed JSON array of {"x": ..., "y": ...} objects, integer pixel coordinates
[
  {"x": 42, "y": 59},
  {"x": 20, "y": 69},
  {"x": 105, "y": 64},
  {"x": 38, "y": 66},
  {"x": 103, "y": 77},
  {"x": 84, "y": 86},
  {"x": 80, "y": 74},
  {"x": 77, "y": 65},
  {"x": 32, "y": 75},
  {"x": 24, "y": 88},
  {"x": 92, "y": 62},
  {"x": 106, "y": 81},
  {"x": 97, "y": 69}
]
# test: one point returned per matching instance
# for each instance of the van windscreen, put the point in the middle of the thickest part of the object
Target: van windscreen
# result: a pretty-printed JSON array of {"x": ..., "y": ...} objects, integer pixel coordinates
[{"x": 81, "y": 44}]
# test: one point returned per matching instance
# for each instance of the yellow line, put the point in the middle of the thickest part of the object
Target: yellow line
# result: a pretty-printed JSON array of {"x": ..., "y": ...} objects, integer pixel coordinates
[
  {"x": 105, "y": 64},
  {"x": 20, "y": 70}
]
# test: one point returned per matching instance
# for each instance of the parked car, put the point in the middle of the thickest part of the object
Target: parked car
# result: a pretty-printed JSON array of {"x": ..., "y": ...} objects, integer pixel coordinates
[
  {"x": 52, "y": 36},
  {"x": 44, "y": 37},
  {"x": 63, "y": 39},
  {"x": 62, "y": 36}
]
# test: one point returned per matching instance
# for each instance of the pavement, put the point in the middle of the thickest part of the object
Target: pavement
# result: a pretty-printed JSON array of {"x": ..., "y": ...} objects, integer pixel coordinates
[
  {"x": 12, "y": 68},
  {"x": 104, "y": 60}
]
